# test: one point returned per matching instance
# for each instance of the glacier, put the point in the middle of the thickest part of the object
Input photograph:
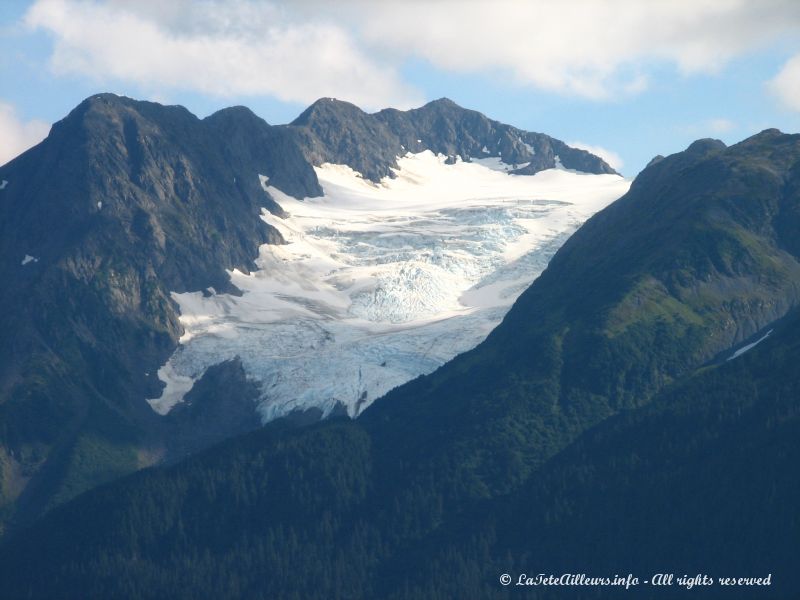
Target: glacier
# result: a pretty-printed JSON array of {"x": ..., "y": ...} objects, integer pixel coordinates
[{"x": 380, "y": 283}]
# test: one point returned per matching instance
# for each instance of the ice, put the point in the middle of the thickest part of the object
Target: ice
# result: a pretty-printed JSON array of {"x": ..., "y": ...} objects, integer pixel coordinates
[
  {"x": 99, "y": 205},
  {"x": 495, "y": 163},
  {"x": 3, "y": 184},
  {"x": 380, "y": 283},
  {"x": 28, "y": 259},
  {"x": 177, "y": 386},
  {"x": 744, "y": 349},
  {"x": 264, "y": 181}
]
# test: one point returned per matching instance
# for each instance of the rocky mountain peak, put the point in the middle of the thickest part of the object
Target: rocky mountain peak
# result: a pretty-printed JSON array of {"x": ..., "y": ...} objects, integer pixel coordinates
[
  {"x": 442, "y": 103},
  {"x": 236, "y": 114},
  {"x": 705, "y": 146},
  {"x": 328, "y": 109}
]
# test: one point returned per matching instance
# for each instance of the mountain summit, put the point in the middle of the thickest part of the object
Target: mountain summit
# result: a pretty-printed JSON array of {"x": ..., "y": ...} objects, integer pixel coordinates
[{"x": 339, "y": 132}]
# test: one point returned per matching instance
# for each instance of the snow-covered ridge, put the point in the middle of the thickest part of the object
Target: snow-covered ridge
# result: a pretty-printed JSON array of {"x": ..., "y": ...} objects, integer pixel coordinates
[{"x": 381, "y": 283}]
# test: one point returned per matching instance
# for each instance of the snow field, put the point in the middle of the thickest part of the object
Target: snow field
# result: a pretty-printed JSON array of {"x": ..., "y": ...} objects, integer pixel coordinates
[{"x": 381, "y": 283}]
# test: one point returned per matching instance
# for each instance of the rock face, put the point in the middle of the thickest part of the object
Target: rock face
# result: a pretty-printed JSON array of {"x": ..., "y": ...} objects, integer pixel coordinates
[
  {"x": 339, "y": 132},
  {"x": 123, "y": 203}
]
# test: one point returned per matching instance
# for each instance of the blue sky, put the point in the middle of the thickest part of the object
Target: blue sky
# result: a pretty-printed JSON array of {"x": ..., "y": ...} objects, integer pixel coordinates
[{"x": 633, "y": 79}]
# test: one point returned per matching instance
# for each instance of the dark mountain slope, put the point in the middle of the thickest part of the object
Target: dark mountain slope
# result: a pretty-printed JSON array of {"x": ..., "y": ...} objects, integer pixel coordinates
[
  {"x": 702, "y": 480},
  {"x": 338, "y": 132},
  {"x": 123, "y": 203},
  {"x": 693, "y": 260}
]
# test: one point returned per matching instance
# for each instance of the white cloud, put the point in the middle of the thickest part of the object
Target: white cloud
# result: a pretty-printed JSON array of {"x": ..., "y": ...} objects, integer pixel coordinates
[
  {"x": 216, "y": 48},
  {"x": 720, "y": 125},
  {"x": 579, "y": 47},
  {"x": 353, "y": 49},
  {"x": 17, "y": 135},
  {"x": 786, "y": 85},
  {"x": 717, "y": 126},
  {"x": 613, "y": 159}
]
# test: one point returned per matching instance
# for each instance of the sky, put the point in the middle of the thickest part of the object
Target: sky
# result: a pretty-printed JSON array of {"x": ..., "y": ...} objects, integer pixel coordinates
[{"x": 627, "y": 79}]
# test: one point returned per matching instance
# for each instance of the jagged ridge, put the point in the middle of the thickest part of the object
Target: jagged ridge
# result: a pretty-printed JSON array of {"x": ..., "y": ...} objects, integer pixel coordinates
[{"x": 334, "y": 131}]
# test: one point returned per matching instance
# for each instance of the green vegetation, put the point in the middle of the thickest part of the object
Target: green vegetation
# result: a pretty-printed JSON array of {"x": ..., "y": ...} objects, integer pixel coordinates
[
  {"x": 91, "y": 461},
  {"x": 702, "y": 479}
]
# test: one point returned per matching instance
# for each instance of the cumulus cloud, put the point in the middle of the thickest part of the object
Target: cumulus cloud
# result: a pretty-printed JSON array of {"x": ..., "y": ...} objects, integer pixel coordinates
[
  {"x": 580, "y": 47},
  {"x": 613, "y": 159},
  {"x": 720, "y": 125},
  {"x": 354, "y": 49},
  {"x": 17, "y": 135},
  {"x": 709, "y": 127},
  {"x": 786, "y": 85},
  {"x": 216, "y": 48}
]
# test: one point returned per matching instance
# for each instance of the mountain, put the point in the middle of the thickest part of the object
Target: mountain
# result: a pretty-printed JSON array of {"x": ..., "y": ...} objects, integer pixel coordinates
[
  {"x": 125, "y": 206},
  {"x": 603, "y": 408},
  {"x": 693, "y": 260},
  {"x": 122, "y": 204},
  {"x": 338, "y": 132}
]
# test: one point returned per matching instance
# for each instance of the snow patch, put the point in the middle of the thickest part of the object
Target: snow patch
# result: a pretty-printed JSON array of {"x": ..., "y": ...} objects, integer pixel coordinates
[
  {"x": 380, "y": 283},
  {"x": 176, "y": 387},
  {"x": 99, "y": 205},
  {"x": 3, "y": 184},
  {"x": 28, "y": 259},
  {"x": 744, "y": 349}
]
